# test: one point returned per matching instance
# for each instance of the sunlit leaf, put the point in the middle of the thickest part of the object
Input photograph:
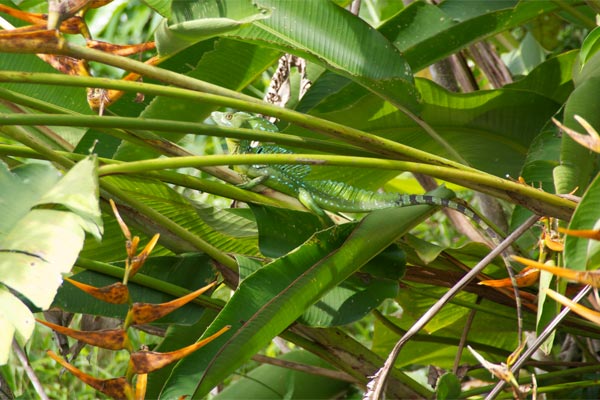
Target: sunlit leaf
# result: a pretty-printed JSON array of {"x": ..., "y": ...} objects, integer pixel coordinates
[{"x": 39, "y": 240}]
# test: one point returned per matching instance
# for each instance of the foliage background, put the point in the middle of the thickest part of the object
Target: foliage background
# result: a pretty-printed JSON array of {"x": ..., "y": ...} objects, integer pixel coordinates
[{"x": 373, "y": 95}]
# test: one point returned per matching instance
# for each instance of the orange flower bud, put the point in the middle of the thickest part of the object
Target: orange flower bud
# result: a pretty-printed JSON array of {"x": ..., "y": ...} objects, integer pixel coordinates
[
  {"x": 525, "y": 278},
  {"x": 111, "y": 339},
  {"x": 117, "y": 388},
  {"x": 117, "y": 293},
  {"x": 144, "y": 362},
  {"x": 143, "y": 313}
]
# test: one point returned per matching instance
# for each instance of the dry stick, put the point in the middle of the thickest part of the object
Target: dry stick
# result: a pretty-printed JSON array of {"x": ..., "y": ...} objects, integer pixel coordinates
[
  {"x": 540, "y": 340},
  {"x": 489, "y": 62},
  {"x": 309, "y": 369},
  {"x": 29, "y": 371},
  {"x": 463, "y": 337},
  {"x": 389, "y": 363}
]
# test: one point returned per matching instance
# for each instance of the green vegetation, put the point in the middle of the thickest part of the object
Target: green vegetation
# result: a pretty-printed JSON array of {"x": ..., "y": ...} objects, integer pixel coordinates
[{"x": 461, "y": 91}]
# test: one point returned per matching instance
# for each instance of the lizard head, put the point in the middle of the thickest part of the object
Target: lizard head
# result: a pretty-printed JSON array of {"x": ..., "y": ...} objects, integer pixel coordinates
[{"x": 231, "y": 119}]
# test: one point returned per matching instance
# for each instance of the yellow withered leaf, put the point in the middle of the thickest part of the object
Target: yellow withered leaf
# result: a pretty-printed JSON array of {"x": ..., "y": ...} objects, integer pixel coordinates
[
  {"x": 591, "y": 278},
  {"x": 140, "y": 386},
  {"x": 28, "y": 41},
  {"x": 553, "y": 244},
  {"x": 111, "y": 339},
  {"x": 120, "y": 221},
  {"x": 590, "y": 141},
  {"x": 139, "y": 260},
  {"x": 585, "y": 312},
  {"x": 117, "y": 293},
  {"x": 525, "y": 278},
  {"x": 117, "y": 388},
  {"x": 143, "y": 313},
  {"x": 144, "y": 362},
  {"x": 583, "y": 233}
]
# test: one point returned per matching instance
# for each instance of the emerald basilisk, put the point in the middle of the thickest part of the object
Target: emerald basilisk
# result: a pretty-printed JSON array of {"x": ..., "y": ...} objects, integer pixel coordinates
[{"x": 325, "y": 194}]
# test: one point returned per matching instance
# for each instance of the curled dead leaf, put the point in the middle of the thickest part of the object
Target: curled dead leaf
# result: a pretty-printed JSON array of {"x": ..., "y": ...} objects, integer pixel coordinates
[{"x": 590, "y": 141}]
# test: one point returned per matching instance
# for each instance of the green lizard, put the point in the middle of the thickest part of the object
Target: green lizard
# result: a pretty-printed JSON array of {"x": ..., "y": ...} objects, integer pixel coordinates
[{"x": 325, "y": 194}]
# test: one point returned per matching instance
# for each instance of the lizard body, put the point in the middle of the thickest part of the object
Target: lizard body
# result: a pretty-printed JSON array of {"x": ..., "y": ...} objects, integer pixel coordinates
[{"x": 326, "y": 194}]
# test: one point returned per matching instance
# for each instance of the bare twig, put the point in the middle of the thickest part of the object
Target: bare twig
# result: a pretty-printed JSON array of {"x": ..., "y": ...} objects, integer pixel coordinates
[
  {"x": 29, "y": 371},
  {"x": 540, "y": 340},
  {"x": 309, "y": 369},
  {"x": 380, "y": 380},
  {"x": 355, "y": 7},
  {"x": 464, "y": 336}
]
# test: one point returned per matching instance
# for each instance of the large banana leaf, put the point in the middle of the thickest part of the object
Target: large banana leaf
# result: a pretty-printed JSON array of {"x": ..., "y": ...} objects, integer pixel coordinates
[
  {"x": 298, "y": 28},
  {"x": 274, "y": 296},
  {"x": 41, "y": 234}
]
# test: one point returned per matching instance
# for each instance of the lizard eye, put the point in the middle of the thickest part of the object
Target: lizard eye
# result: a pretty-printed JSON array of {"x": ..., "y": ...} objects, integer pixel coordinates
[{"x": 229, "y": 116}]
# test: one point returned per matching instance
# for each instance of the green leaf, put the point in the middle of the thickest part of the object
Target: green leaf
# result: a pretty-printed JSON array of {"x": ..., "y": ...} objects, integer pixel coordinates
[
  {"x": 525, "y": 58},
  {"x": 224, "y": 62},
  {"x": 426, "y": 33},
  {"x": 385, "y": 71},
  {"x": 274, "y": 296},
  {"x": 493, "y": 328},
  {"x": 547, "y": 310},
  {"x": 192, "y": 22},
  {"x": 448, "y": 387},
  {"x": 38, "y": 245},
  {"x": 274, "y": 382},
  {"x": 163, "y": 7},
  {"x": 552, "y": 78},
  {"x": 584, "y": 254},
  {"x": 500, "y": 122},
  {"x": 282, "y": 230},
  {"x": 577, "y": 164},
  {"x": 181, "y": 210},
  {"x": 350, "y": 301},
  {"x": 590, "y": 46}
]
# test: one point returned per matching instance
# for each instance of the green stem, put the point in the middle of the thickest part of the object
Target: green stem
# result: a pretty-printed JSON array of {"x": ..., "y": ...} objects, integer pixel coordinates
[
  {"x": 198, "y": 85},
  {"x": 183, "y": 180},
  {"x": 555, "y": 376},
  {"x": 568, "y": 8},
  {"x": 445, "y": 173},
  {"x": 22, "y": 136},
  {"x": 174, "y": 128},
  {"x": 350, "y": 135}
]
